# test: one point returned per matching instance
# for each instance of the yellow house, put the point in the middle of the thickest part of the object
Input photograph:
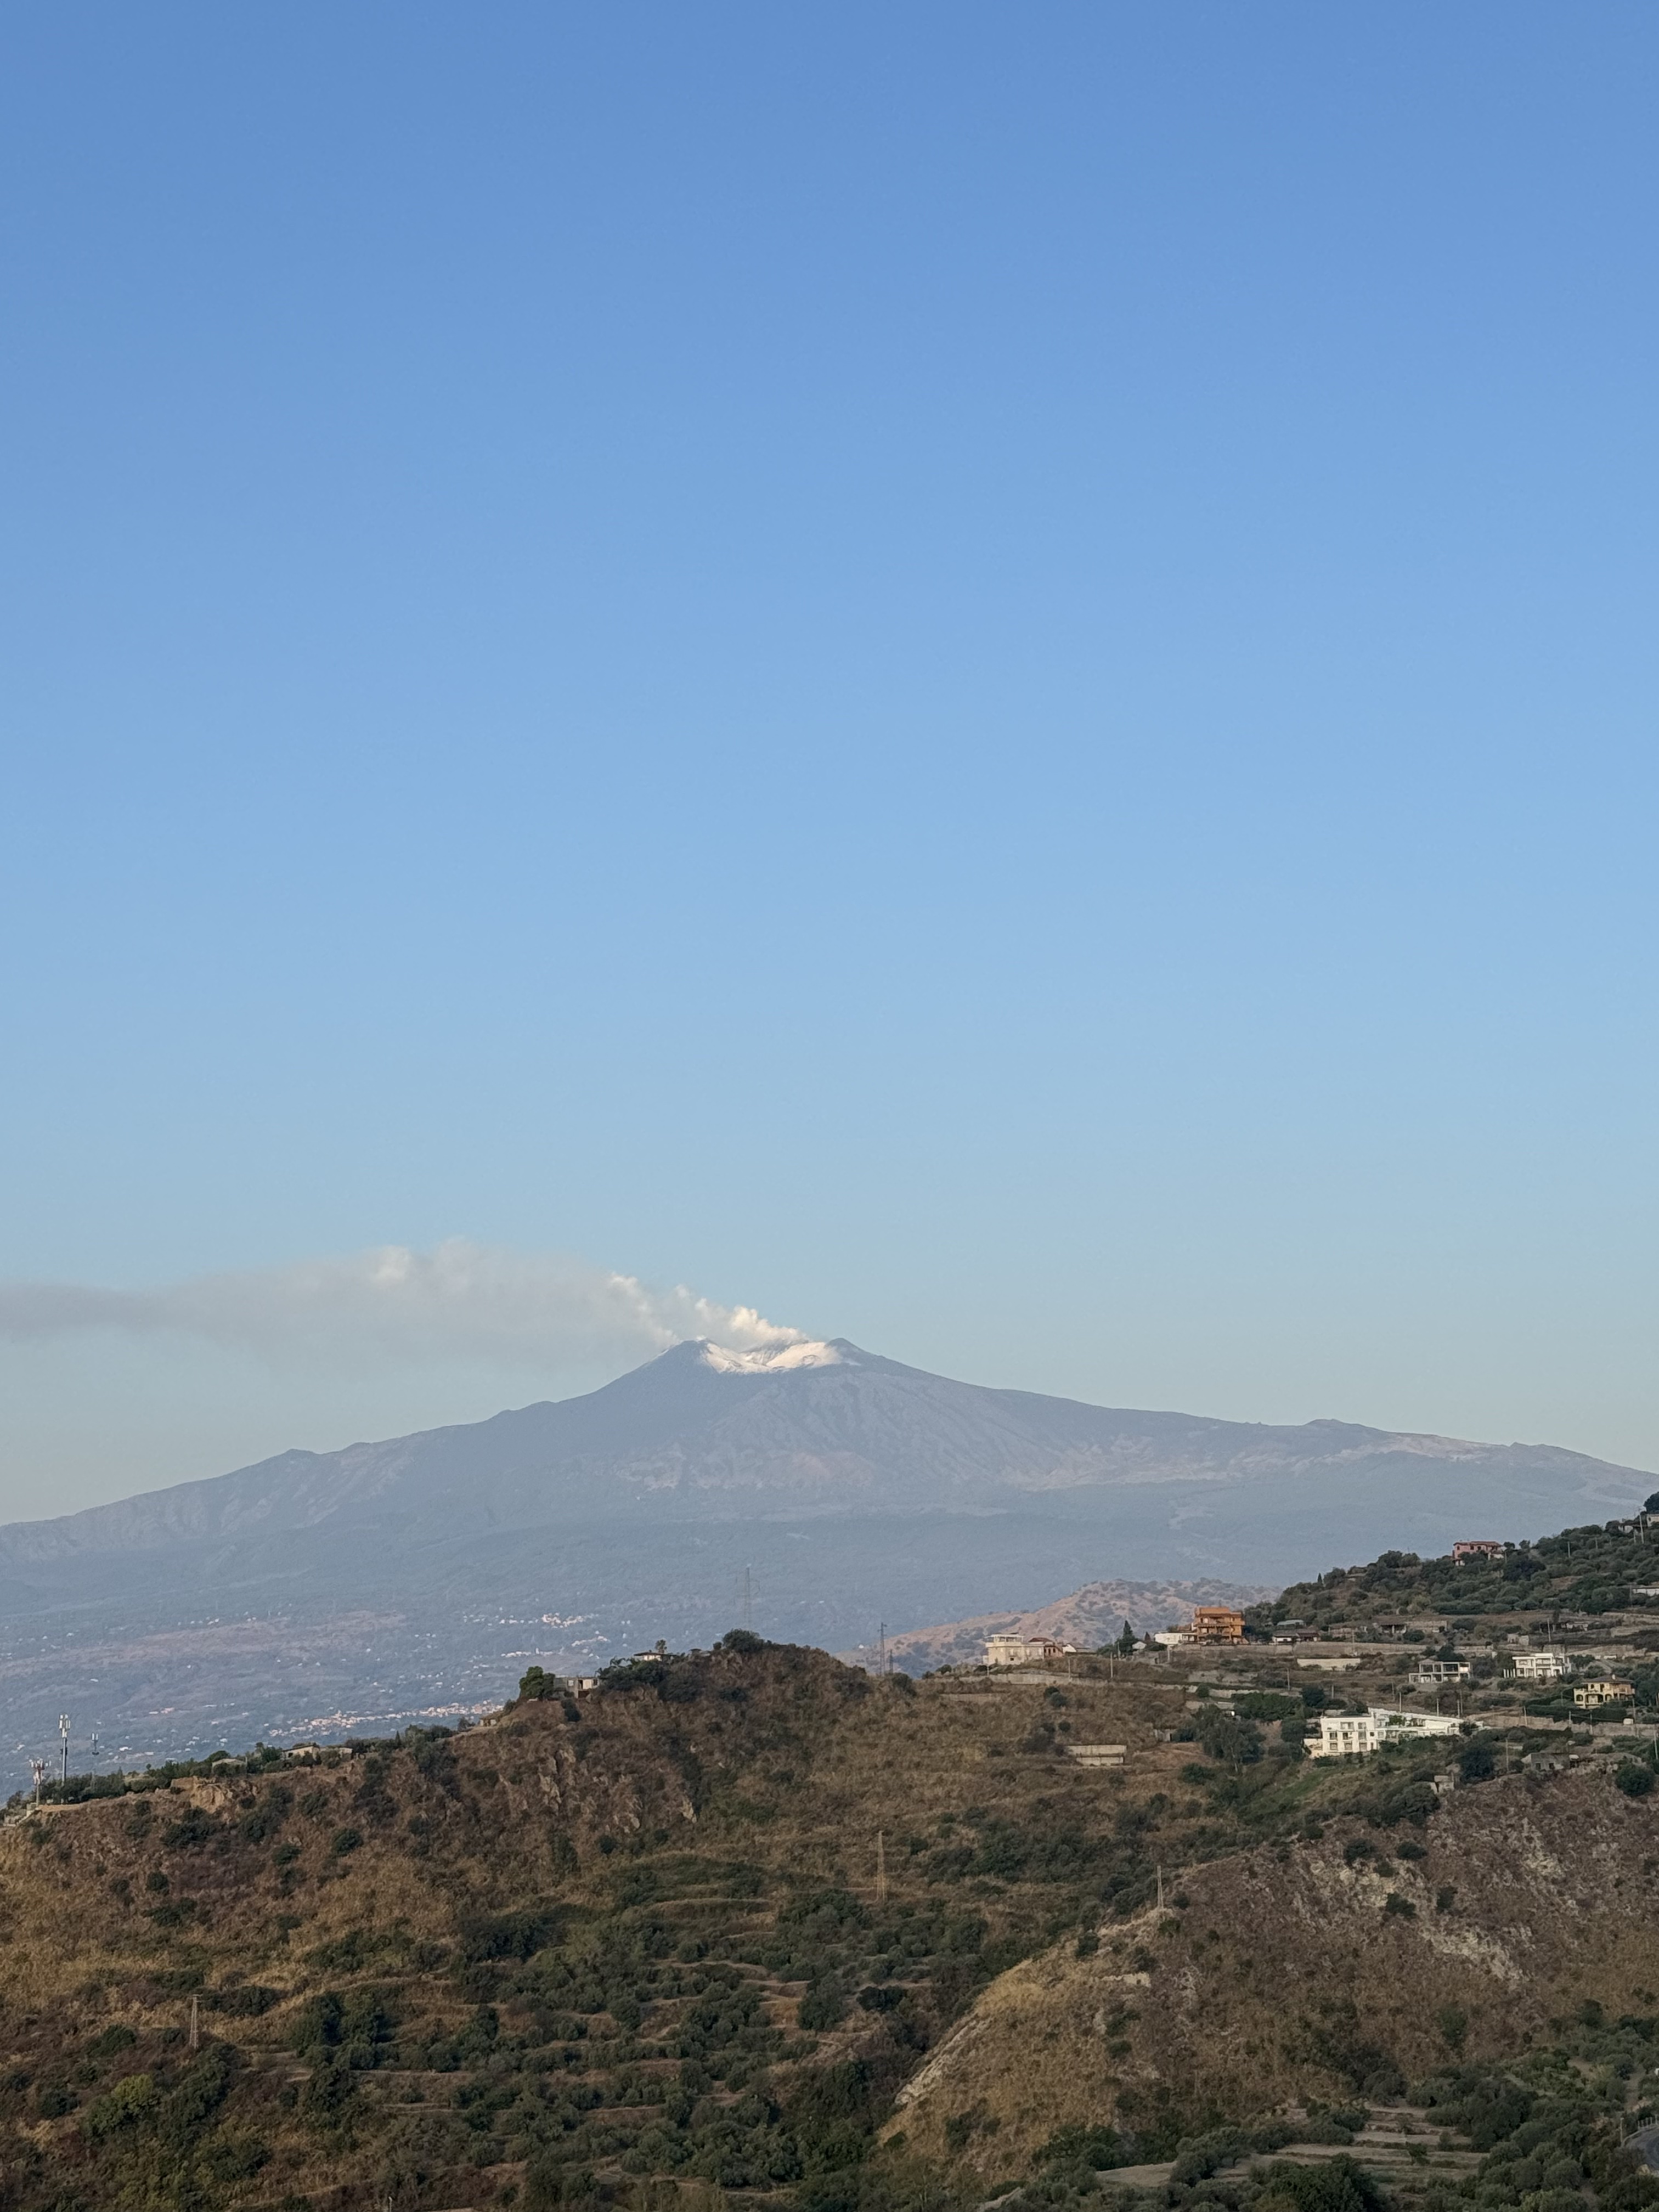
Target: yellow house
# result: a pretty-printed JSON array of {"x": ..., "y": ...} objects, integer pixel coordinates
[{"x": 1604, "y": 1690}]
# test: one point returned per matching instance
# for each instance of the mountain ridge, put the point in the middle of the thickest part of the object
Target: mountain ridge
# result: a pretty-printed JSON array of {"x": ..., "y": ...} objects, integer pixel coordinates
[
  {"x": 839, "y": 1488},
  {"x": 369, "y": 1468}
]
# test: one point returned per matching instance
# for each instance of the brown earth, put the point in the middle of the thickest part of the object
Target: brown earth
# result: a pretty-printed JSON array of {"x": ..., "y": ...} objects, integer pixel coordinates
[
  {"x": 1281, "y": 1975},
  {"x": 745, "y": 1828}
]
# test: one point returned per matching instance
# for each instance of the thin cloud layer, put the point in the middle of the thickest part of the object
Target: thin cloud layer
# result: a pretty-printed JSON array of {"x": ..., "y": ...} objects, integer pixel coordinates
[{"x": 459, "y": 1300}]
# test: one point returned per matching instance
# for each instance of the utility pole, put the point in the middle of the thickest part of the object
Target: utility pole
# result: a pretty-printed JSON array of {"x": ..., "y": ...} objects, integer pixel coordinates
[
  {"x": 195, "y": 2026},
  {"x": 881, "y": 1666},
  {"x": 63, "y": 1730},
  {"x": 748, "y": 1607},
  {"x": 881, "y": 1868},
  {"x": 1160, "y": 1886}
]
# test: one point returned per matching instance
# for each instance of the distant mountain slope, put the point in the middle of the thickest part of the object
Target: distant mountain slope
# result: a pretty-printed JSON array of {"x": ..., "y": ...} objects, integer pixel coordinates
[
  {"x": 1088, "y": 1618},
  {"x": 853, "y": 1489}
]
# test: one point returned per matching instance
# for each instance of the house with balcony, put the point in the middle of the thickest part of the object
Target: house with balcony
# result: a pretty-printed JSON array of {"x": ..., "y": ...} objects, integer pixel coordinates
[
  {"x": 1215, "y": 1624},
  {"x": 1432, "y": 1673},
  {"x": 1355, "y": 1735},
  {"x": 1603, "y": 1690}
]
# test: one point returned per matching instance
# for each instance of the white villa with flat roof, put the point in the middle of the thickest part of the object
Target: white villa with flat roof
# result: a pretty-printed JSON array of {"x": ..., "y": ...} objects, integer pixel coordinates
[{"x": 1355, "y": 1735}]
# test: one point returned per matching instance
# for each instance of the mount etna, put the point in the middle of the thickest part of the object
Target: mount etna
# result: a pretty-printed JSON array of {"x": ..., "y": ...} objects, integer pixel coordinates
[{"x": 823, "y": 1488}]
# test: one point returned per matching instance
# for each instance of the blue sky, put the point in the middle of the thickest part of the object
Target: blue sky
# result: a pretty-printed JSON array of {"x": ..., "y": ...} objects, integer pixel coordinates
[{"x": 982, "y": 677}]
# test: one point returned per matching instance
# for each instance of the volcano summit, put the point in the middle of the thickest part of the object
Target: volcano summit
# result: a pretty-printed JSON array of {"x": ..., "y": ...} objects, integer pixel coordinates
[{"x": 315, "y": 1589}]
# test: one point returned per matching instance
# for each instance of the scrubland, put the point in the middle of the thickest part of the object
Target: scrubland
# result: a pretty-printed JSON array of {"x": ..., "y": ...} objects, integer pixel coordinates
[{"x": 750, "y": 1923}]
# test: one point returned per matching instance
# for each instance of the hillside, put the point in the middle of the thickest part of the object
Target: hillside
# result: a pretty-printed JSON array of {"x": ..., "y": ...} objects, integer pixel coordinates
[
  {"x": 754, "y": 1921},
  {"x": 317, "y": 1592},
  {"x": 1089, "y": 1619},
  {"x": 1581, "y": 1573}
]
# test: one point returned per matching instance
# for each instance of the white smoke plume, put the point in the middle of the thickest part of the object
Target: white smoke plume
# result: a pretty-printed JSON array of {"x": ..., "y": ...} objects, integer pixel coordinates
[{"x": 459, "y": 1300}]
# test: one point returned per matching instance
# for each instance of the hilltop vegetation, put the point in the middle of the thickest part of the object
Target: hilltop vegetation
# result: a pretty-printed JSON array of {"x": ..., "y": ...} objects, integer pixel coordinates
[
  {"x": 1587, "y": 1572},
  {"x": 736, "y": 1921}
]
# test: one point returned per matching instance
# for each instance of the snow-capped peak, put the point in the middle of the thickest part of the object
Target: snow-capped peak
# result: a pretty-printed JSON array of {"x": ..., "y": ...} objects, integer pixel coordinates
[{"x": 771, "y": 1359}]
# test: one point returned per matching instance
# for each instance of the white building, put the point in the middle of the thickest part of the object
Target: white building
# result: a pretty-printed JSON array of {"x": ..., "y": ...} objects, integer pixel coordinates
[
  {"x": 1540, "y": 1666},
  {"x": 1432, "y": 1673},
  {"x": 1346, "y": 1735},
  {"x": 1354, "y": 1735},
  {"x": 1097, "y": 1755},
  {"x": 1023, "y": 1651}
]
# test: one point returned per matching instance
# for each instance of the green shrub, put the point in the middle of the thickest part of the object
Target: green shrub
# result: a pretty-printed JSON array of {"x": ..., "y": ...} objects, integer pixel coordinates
[
  {"x": 822, "y": 2005},
  {"x": 264, "y": 1817},
  {"x": 1268, "y": 1705},
  {"x": 123, "y": 2107},
  {"x": 193, "y": 1829},
  {"x": 1099, "y": 2149},
  {"x": 1202, "y": 2155},
  {"x": 1337, "y": 2185}
]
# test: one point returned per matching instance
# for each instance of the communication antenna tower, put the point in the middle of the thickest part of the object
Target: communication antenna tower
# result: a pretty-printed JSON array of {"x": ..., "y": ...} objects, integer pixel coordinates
[
  {"x": 63, "y": 1730},
  {"x": 37, "y": 1769}
]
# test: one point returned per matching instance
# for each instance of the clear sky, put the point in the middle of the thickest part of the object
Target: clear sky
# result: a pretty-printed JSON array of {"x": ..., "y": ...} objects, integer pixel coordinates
[{"x": 981, "y": 677}]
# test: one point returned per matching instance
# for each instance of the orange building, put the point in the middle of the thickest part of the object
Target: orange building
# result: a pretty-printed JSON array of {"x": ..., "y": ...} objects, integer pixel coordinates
[{"x": 1215, "y": 1624}]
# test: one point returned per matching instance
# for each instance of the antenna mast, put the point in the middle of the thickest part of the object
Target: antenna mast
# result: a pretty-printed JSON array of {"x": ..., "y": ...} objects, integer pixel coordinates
[{"x": 63, "y": 1730}]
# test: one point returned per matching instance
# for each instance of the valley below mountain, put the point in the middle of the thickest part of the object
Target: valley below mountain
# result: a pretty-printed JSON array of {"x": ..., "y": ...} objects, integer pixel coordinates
[{"x": 820, "y": 1495}]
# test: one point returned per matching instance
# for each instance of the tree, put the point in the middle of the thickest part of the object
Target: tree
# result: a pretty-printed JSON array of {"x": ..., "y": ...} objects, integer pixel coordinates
[
  {"x": 1125, "y": 1642},
  {"x": 1477, "y": 1762}
]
